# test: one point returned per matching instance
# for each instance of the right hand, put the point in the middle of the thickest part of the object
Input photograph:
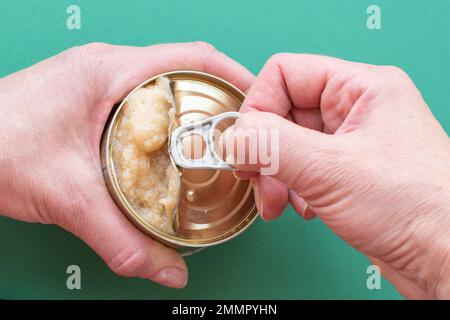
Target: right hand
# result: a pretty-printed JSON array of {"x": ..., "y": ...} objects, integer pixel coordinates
[{"x": 360, "y": 149}]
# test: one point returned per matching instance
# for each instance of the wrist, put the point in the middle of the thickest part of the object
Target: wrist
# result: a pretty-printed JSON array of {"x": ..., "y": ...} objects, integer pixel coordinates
[
  {"x": 6, "y": 158},
  {"x": 419, "y": 265},
  {"x": 432, "y": 236},
  {"x": 441, "y": 288},
  {"x": 440, "y": 281},
  {"x": 437, "y": 259},
  {"x": 15, "y": 201}
]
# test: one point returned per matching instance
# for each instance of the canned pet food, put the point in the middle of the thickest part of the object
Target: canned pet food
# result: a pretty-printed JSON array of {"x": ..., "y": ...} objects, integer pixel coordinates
[{"x": 186, "y": 209}]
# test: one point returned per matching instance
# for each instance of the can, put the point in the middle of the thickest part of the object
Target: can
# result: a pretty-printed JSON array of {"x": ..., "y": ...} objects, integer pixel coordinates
[{"x": 214, "y": 206}]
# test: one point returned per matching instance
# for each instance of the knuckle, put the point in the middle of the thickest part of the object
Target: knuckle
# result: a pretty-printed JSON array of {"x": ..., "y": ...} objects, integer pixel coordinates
[
  {"x": 95, "y": 48},
  {"x": 396, "y": 82},
  {"x": 204, "y": 47},
  {"x": 284, "y": 57},
  {"x": 396, "y": 73},
  {"x": 277, "y": 58},
  {"x": 89, "y": 58},
  {"x": 129, "y": 263},
  {"x": 94, "y": 51},
  {"x": 206, "y": 53}
]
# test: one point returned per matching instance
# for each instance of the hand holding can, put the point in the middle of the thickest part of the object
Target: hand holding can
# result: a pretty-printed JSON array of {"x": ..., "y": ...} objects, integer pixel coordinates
[{"x": 57, "y": 109}]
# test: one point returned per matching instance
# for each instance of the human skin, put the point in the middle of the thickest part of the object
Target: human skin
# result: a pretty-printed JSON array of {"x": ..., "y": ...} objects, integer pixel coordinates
[
  {"x": 379, "y": 177},
  {"x": 52, "y": 119},
  {"x": 359, "y": 148}
]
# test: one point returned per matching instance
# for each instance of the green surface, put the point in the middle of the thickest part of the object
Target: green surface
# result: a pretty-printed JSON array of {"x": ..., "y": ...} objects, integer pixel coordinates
[{"x": 288, "y": 258}]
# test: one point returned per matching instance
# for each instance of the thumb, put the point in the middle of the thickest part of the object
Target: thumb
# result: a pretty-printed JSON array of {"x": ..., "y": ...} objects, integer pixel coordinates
[
  {"x": 125, "y": 249},
  {"x": 271, "y": 145}
]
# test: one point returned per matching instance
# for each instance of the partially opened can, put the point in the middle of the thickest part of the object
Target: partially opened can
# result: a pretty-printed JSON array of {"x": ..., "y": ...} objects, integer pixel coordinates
[{"x": 213, "y": 205}]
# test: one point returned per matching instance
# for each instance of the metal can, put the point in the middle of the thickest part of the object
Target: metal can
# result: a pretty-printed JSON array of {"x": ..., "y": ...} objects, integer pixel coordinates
[{"x": 214, "y": 206}]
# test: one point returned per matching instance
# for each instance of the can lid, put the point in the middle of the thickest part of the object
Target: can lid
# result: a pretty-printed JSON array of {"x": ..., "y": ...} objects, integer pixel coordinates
[
  {"x": 202, "y": 143},
  {"x": 214, "y": 205}
]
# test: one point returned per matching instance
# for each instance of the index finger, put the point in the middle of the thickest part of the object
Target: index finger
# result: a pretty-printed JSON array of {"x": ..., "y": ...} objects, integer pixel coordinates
[
  {"x": 118, "y": 69},
  {"x": 292, "y": 82}
]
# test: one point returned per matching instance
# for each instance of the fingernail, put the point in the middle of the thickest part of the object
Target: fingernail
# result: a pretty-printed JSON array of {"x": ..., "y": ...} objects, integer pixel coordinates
[
  {"x": 258, "y": 200},
  {"x": 298, "y": 202},
  {"x": 171, "y": 277}
]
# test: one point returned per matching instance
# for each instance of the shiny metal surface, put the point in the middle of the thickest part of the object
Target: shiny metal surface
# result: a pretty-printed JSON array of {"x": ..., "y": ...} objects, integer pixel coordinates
[
  {"x": 205, "y": 129},
  {"x": 214, "y": 206}
]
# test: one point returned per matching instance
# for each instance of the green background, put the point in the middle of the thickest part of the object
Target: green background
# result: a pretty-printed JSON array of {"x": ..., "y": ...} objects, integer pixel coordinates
[{"x": 288, "y": 258}]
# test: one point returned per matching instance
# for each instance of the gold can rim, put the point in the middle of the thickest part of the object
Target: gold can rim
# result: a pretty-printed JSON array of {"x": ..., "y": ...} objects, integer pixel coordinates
[{"x": 127, "y": 208}]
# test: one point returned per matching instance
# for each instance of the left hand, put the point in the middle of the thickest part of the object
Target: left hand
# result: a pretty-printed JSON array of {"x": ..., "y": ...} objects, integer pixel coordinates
[{"x": 52, "y": 118}]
